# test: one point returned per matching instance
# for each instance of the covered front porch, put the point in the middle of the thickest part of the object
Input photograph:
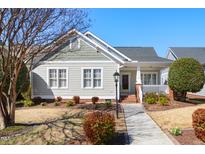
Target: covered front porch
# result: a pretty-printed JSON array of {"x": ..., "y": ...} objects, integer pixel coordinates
[{"x": 138, "y": 78}]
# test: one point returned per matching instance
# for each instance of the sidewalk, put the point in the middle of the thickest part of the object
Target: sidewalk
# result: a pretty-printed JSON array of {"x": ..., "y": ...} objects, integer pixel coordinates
[{"x": 141, "y": 128}]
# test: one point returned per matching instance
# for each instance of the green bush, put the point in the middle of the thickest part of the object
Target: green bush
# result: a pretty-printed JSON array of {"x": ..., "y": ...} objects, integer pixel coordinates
[
  {"x": 151, "y": 98},
  {"x": 27, "y": 94},
  {"x": 27, "y": 103},
  {"x": 56, "y": 103},
  {"x": 176, "y": 131},
  {"x": 99, "y": 127},
  {"x": 198, "y": 123},
  {"x": 108, "y": 102},
  {"x": 185, "y": 75},
  {"x": 43, "y": 104},
  {"x": 69, "y": 103},
  {"x": 95, "y": 99},
  {"x": 163, "y": 100}
]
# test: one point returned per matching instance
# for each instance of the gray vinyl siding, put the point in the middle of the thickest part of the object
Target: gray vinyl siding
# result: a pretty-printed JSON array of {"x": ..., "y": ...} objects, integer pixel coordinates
[
  {"x": 40, "y": 86},
  {"x": 84, "y": 53}
]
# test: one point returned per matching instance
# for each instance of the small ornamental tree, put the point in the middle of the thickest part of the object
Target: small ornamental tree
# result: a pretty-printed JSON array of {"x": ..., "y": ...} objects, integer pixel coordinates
[{"x": 185, "y": 75}]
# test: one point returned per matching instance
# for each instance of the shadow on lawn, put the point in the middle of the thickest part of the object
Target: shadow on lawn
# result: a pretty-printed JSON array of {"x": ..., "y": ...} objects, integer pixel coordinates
[
  {"x": 67, "y": 129},
  {"x": 196, "y": 100},
  {"x": 64, "y": 130}
]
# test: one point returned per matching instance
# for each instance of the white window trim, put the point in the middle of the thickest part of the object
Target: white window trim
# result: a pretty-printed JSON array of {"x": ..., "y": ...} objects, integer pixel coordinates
[
  {"x": 92, "y": 79},
  {"x": 57, "y": 68},
  {"x": 70, "y": 43},
  {"x": 149, "y": 73}
]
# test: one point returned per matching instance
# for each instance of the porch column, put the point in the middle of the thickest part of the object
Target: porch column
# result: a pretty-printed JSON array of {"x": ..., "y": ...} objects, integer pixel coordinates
[{"x": 138, "y": 85}]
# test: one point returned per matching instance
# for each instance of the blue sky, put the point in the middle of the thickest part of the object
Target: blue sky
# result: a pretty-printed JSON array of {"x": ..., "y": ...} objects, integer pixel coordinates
[{"x": 159, "y": 28}]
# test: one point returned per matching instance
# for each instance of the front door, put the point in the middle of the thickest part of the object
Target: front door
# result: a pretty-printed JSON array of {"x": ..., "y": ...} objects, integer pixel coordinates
[{"x": 125, "y": 83}]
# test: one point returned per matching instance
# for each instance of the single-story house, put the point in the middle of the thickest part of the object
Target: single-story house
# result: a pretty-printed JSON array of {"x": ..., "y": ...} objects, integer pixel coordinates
[
  {"x": 197, "y": 53},
  {"x": 84, "y": 66}
]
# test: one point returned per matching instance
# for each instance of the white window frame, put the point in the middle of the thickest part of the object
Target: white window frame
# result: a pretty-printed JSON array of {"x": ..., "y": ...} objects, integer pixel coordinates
[
  {"x": 142, "y": 79},
  {"x": 92, "y": 78},
  {"x": 70, "y": 43},
  {"x": 48, "y": 79}
]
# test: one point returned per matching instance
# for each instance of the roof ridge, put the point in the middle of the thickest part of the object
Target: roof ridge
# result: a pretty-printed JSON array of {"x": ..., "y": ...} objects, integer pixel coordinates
[{"x": 132, "y": 47}]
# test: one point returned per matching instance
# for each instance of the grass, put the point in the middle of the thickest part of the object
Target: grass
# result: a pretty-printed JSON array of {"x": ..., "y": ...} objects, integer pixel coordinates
[
  {"x": 11, "y": 129},
  {"x": 181, "y": 117},
  {"x": 56, "y": 125}
]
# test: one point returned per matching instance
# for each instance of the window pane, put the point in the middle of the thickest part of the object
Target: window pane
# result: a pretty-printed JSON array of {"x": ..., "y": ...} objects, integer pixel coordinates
[
  {"x": 87, "y": 73},
  {"x": 147, "y": 79},
  {"x": 62, "y": 73},
  {"x": 97, "y": 83},
  {"x": 154, "y": 79},
  {"x": 53, "y": 82},
  {"x": 87, "y": 83},
  {"x": 62, "y": 83},
  {"x": 97, "y": 73},
  {"x": 53, "y": 73}
]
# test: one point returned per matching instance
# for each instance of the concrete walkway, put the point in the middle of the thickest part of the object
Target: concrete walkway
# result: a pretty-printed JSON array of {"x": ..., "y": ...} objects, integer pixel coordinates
[{"x": 141, "y": 128}]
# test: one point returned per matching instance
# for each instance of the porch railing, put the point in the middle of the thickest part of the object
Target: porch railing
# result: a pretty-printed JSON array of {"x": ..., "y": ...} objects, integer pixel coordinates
[{"x": 155, "y": 88}]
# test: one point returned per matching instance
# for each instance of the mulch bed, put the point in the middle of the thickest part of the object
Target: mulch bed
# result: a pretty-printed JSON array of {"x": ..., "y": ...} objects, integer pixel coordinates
[
  {"x": 188, "y": 138},
  {"x": 172, "y": 105}
]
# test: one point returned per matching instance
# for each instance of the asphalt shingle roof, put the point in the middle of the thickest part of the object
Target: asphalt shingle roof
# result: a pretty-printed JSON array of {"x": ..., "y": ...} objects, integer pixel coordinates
[
  {"x": 142, "y": 54},
  {"x": 193, "y": 52}
]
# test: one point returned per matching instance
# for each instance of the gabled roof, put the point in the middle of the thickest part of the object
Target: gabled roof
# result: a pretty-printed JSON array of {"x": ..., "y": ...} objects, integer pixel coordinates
[
  {"x": 142, "y": 54},
  {"x": 193, "y": 52},
  {"x": 107, "y": 46},
  {"x": 92, "y": 43}
]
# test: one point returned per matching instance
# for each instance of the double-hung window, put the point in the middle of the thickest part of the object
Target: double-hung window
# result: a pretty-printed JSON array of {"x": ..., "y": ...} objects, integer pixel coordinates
[
  {"x": 149, "y": 78},
  {"x": 57, "y": 78},
  {"x": 92, "y": 78}
]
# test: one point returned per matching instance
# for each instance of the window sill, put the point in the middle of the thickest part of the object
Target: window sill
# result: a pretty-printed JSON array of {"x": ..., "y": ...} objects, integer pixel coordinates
[{"x": 100, "y": 88}]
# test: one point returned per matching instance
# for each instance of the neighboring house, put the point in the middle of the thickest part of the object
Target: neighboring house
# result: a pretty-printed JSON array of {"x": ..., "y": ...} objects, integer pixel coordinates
[
  {"x": 197, "y": 53},
  {"x": 84, "y": 66}
]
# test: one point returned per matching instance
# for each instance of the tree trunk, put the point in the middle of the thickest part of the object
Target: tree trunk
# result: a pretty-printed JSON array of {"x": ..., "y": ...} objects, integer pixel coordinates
[
  {"x": 179, "y": 96},
  {"x": 12, "y": 114},
  {"x": 2, "y": 120}
]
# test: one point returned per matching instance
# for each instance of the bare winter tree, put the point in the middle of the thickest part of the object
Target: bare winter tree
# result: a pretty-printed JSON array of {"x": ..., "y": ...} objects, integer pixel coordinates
[{"x": 25, "y": 34}]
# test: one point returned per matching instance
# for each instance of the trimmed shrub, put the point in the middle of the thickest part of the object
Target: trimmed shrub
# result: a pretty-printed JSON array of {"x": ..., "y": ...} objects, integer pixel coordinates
[
  {"x": 198, "y": 123},
  {"x": 69, "y": 103},
  {"x": 76, "y": 99},
  {"x": 108, "y": 103},
  {"x": 59, "y": 99},
  {"x": 99, "y": 127},
  {"x": 95, "y": 99},
  {"x": 56, "y": 103},
  {"x": 37, "y": 100},
  {"x": 151, "y": 98},
  {"x": 185, "y": 75},
  {"x": 43, "y": 104},
  {"x": 176, "y": 131},
  {"x": 163, "y": 100},
  {"x": 27, "y": 103}
]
